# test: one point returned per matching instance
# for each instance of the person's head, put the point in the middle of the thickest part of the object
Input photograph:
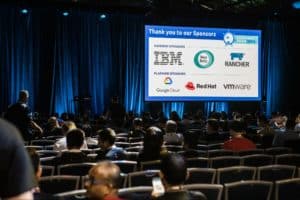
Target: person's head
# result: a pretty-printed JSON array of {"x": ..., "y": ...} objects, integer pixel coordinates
[
  {"x": 23, "y": 96},
  {"x": 212, "y": 126},
  {"x": 103, "y": 180},
  {"x": 67, "y": 126},
  {"x": 53, "y": 122},
  {"x": 297, "y": 120},
  {"x": 137, "y": 122},
  {"x": 153, "y": 139},
  {"x": 35, "y": 160},
  {"x": 237, "y": 128},
  {"x": 191, "y": 139},
  {"x": 106, "y": 138},
  {"x": 75, "y": 138},
  {"x": 171, "y": 126},
  {"x": 173, "y": 169}
]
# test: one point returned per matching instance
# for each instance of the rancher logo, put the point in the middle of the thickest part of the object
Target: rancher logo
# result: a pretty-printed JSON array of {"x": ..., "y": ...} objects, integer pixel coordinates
[{"x": 204, "y": 59}]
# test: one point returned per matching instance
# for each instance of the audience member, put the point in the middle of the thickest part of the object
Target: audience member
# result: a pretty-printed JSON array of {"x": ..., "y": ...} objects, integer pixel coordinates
[
  {"x": 173, "y": 175},
  {"x": 191, "y": 139},
  {"x": 19, "y": 115},
  {"x": 103, "y": 181},
  {"x": 17, "y": 176},
  {"x": 75, "y": 138},
  {"x": 106, "y": 140},
  {"x": 212, "y": 133},
  {"x": 35, "y": 161},
  {"x": 238, "y": 142},
  {"x": 137, "y": 129},
  {"x": 53, "y": 128},
  {"x": 153, "y": 141},
  {"x": 297, "y": 124},
  {"x": 61, "y": 144},
  {"x": 171, "y": 136}
]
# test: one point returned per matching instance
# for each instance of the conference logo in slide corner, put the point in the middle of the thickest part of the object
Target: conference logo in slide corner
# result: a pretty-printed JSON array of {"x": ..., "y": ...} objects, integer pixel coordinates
[{"x": 204, "y": 59}]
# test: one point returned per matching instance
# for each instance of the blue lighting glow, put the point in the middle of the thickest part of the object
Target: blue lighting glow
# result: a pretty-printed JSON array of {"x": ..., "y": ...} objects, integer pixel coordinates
[
  {"x": 24, "y": 11},
  {"x": 296, "y": 5},
  {"x": 65, "y": 13},
  {"x": 102, "y": 16}
]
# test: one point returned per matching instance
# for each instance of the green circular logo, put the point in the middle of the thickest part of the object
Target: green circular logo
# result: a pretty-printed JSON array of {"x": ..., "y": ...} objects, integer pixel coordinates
[{"x": 204, "y": 59}]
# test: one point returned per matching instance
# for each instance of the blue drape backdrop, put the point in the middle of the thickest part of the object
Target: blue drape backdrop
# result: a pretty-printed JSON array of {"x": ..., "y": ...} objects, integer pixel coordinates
[{"x": 89, "y": 57}]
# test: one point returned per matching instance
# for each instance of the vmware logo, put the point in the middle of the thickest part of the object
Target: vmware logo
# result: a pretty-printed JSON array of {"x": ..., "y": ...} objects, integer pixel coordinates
[{"x": 204, "y": 59}]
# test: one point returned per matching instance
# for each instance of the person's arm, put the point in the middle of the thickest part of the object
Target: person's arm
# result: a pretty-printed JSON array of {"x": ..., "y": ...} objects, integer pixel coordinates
[
  {"x": 36, "y": 127},
  {"x": 26, "y": 195}
]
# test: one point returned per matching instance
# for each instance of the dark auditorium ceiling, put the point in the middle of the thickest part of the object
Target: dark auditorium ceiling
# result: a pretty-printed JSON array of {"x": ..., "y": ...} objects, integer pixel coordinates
[{"x": 165, "y": 6}]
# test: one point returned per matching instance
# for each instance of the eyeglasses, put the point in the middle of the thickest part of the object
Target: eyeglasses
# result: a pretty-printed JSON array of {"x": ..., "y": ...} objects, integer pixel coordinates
[{"x": 92, "y": 181}]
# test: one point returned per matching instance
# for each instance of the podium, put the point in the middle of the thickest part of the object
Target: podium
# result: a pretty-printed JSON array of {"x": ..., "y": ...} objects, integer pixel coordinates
[{"x": 82, "y": 105}]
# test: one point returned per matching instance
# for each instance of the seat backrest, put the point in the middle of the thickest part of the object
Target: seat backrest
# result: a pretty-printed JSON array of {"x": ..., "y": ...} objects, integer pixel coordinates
[
  {"x": 47, "y": 153},
  {"x": 47, "y": 170},
  {"x": 250, "y": 152},
  {"x": 59, "y": 184},
  {"x": 77, "y": 169},
  {"x": 73, "y": 194},
  {"x": 211, "y": 191},
  {"x": 287, "y": 189},
  {"x": 42, "y": 142},
  {"x": 201, "y": 175},
  {"x": 150, "y": 165},
  {"x": 275, "y": 172},
  {"x": 288, "y": 159},
  {"x": 126, "y": 166},
  {"x": 248, "y": 190},
  {"x": 274, "y": 151},
  {"x": 257, "y": 160},
  {"x": 132, "y": 155},
  {"x": 48, "y": 160},
  {"x": 224, "y": 161},
  {"x": 198, "y": 162},
  {"x": 219, "y": 152},
  {"x": 141, "y": 178},
  {"x": 236, "y": 173},
  {"x": 139, "y": 192}
]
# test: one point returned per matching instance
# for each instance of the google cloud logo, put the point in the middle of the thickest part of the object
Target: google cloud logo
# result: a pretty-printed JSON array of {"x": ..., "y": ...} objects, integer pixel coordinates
[
  {"x": 204, "y": 59},
  {"x": 168, "y": 81}
]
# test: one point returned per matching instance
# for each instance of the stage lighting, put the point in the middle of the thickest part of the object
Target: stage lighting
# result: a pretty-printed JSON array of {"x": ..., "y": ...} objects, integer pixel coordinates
[
  {"x": 296, "y": 5},
  {"x": 102, "y": 16},
  {"x": 65, "y": 13},
  {"x": 24, "y": 11}
]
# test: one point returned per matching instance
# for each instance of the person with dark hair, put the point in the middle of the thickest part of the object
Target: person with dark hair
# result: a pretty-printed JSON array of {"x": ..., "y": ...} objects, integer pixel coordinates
[
  {"x": 238, "y": 142},
  {"x": 153, "y": 141},
  {"x": 212, "y": 133},
  {"x": 106, "y": 141},
  {"x": 75, "y": 138},
  {"x": 173, "y": 174},
  {"x": 116, "y": 112},
  {"x": 35, "y": 161},
  {"x": 191, "y": 139},
  {"x": 103, "y": 181},
  {"x": 19, "y": 115},
  {"x": 137, "y": 128},
  {"x": 16, "y": 172}
]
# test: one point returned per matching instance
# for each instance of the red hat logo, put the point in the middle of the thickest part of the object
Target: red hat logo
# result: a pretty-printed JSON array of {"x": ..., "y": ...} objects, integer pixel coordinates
[{"x": 190, "y": 86}]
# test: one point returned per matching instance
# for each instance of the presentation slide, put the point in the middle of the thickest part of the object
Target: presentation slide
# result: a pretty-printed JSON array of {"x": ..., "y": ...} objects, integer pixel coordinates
[{"x": 202, "y": 64}]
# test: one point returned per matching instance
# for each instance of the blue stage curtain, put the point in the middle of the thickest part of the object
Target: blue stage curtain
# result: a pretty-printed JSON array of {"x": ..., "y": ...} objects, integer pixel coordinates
[
  {"x": 82, "y": 62},
  {"x": 19, "y": 56},
  {"x": 133, "y": 35},
  {"x": 273, "y": 62},
  {"x": 215, "y": 106},
  {"x": 168, "y": 107}
]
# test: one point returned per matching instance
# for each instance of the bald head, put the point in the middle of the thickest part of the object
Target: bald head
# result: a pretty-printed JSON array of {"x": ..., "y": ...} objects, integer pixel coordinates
[
  {"x": 104, "y": 180},
  {"x": 23, "y": 96}
]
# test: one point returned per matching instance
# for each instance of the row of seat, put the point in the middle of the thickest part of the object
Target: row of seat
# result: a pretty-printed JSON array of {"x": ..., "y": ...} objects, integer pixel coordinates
[
  {"x": 196, "y": 175},
  {"x": 288, "y": 189}
]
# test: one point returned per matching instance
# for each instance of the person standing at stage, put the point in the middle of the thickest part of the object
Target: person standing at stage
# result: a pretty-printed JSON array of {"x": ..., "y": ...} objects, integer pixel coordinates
[
  {"x": 116, "y": 113},
  {"x": 18, "y": 114}
]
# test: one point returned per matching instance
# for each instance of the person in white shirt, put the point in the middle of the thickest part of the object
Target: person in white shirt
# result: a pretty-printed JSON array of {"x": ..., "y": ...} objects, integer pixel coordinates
[{"x": 61, "y": 144}]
